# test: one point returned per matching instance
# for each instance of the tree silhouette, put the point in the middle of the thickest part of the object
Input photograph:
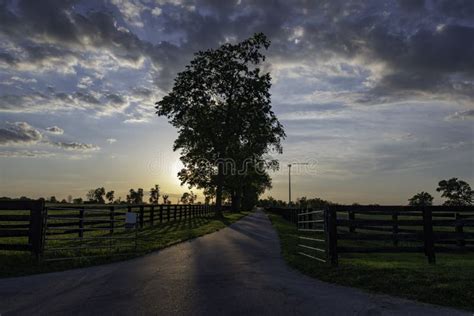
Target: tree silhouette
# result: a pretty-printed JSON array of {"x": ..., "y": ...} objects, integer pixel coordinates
[
  {"x": 421, "y": 199},
  {"x": 166, "y": 199},
  {"x": 96, "y": 195},
  {"x": 135, "y": 197},
  {"x": 185, "y": 198},
  {"x": 457, "y": 192},
  {"x": 90, "y": 195},
  {"x": 220, "y": 105},
  {"x": 110, "y": 196},
  {"x": 155, "y": 194},
  {"x": 188, "y": 198},
  {"x": 99, "y": 195}
]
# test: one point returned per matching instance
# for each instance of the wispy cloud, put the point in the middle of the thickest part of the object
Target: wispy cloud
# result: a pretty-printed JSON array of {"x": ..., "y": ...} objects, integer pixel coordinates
[
  {"x": 75, "y": 146},
  {"x": 55, "y": 130}
]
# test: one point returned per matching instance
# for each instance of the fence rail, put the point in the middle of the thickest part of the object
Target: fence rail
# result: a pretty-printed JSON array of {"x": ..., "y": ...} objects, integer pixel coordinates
[
  {"x": 24, "y": 231},
  {"x": 390, "y": 229},
  {"x": 30, "y": 226}
]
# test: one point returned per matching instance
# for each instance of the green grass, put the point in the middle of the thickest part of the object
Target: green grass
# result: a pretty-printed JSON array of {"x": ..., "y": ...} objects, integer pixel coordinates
[
  {"x": 149, "y": 239},
  {"x": 450, "y": 282}
]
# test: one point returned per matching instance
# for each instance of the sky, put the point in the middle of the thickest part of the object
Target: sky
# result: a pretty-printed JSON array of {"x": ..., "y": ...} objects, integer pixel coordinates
[{"x": 377, "y": 95}]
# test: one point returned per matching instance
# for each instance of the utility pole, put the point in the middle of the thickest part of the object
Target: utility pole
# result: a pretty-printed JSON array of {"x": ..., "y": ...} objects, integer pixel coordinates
[
  {"x": 289, "y": 178},
  {"x": 289, "y": 184}
]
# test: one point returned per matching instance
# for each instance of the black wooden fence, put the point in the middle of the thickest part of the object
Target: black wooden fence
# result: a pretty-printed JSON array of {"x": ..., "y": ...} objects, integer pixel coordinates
[
  {"x": 22, "y": 226},
  {"x": 394, "y": 229},
  {"x": 25, "y": 225}
]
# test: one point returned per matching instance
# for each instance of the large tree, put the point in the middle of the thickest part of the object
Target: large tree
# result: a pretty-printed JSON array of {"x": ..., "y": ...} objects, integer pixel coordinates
[
  {"x": 421, "y": 199},
  {"x": 96, "y": 195},
  {"x": 220, "y": 105},
  {"x": 457, "y": 192}
]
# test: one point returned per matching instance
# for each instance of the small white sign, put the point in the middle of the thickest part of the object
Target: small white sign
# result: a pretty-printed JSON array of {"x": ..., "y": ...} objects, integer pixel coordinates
[{"x": 130, "y": 220}]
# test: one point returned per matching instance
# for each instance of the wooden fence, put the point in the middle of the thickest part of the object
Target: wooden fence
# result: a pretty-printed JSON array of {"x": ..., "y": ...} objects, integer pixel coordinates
[
  {"x": 22, "y": 226},
  {"x": 26, "y": 225},
  {"x": 394, "y": 229},
  {"x": 114, "y": 216}
]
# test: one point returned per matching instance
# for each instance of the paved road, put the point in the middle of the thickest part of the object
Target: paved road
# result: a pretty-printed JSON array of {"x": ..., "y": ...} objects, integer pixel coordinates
[{"x": 235, "y": 271}]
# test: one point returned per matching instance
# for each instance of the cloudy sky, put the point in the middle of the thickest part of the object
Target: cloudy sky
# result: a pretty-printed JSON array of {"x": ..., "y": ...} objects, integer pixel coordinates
[{"x": 379, "y": 93}]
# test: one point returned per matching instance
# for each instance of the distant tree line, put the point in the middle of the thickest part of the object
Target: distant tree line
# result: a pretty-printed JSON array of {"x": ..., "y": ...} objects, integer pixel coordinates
[
  {"x": 101, "y": 196},
  {"x": 456, "y": 192}
]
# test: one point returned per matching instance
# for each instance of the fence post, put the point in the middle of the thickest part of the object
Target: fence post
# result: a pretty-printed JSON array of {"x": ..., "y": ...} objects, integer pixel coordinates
[
  {"x": 395, "y": 227},
  {"x": 152, "y": 215},
  {"x": 36, "y": 231},
  {"x": 141, "y": 216},
  {"x": 161, "y": 214},
  {"x": 175, "y": 211},
  {"x": 331, "y": 236},
  {"x": 351, "y": 215},
  {"x": 81, "y": 223},
  {"x": 168, "y": 211},
  {"x": 460, "y": 230},
  {"x": 428, "y": 235},
  {"x": 112, "y": 219}
]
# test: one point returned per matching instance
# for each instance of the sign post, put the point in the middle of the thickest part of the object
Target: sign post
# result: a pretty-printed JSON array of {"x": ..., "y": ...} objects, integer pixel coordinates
[{"x": 130, "y": 220}]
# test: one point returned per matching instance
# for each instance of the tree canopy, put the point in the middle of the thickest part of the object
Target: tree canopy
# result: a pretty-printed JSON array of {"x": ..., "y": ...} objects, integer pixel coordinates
[
  {"x": 221, "y": 106},
  {"x": 421, "y": 199},
  {"x": 457, "y": 192}
]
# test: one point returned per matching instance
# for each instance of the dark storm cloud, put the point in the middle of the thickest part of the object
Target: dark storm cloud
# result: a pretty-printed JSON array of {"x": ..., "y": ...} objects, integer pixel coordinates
[
  {"x": 425, "y": 48},
  {"x": 411, "y": 4},
  {"x": 19, "y": 133},
  {"x": 46, "y": 29},
  {"x": 7, "y": 58},
  {"x": 456, "y": 8},
  {"x": 22, "y": 133}
]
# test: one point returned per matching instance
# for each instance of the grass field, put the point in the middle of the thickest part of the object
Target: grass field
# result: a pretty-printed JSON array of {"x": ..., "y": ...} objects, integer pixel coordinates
[
  {"x": 450, "y": 282},
  {"x": 149, "y": 239}
]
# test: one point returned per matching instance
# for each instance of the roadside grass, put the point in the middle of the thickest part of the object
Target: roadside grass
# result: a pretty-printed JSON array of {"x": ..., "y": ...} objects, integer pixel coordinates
[
  {"x": 149, "y": 239},
  {"x": 450, "y": 282}
]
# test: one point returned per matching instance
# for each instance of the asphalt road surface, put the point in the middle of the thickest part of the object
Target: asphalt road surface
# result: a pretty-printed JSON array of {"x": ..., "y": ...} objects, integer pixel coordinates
[{"x": 236, "y": 271}]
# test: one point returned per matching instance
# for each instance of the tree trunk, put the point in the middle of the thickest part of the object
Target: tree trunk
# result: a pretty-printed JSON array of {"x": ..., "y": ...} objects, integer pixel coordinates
[
  {"x": 233, "y": 199},
  {"x": 238, "y": 200},
  {"x": 220, "y": 185}
]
